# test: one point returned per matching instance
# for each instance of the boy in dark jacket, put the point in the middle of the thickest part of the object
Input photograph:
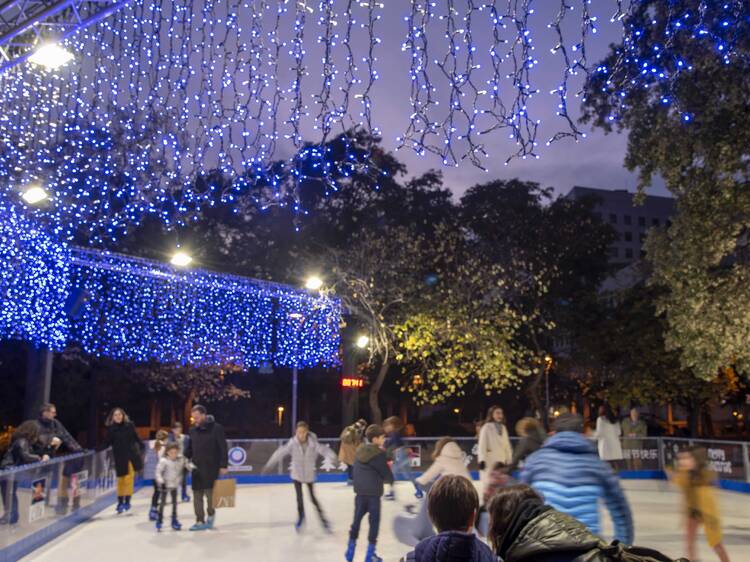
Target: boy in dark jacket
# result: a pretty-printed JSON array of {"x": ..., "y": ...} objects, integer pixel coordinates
[
  {"x": 371, "y": 472},
  {"x": 453, "y": 504}
]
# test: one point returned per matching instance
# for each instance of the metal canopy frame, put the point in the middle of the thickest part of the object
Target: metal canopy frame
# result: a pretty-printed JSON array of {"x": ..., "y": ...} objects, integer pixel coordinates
[{"x": 24, "y": 23}]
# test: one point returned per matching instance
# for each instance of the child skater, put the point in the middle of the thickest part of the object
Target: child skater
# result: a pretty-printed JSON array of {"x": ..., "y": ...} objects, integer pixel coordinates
[
  {"x": 370, "y": 473},
  {"x": 158, "y": 446},
  {"x": 394, "y": 445},
  {"x": 696, "y": 482},
  {"x": 168, "y": 478},
  {"x": 304, "y": 449},
  {"x": 177, "y": 436}
]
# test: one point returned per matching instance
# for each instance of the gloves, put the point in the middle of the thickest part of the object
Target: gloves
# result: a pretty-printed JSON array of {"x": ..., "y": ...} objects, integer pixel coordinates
[{"x": 482, "y": 465}]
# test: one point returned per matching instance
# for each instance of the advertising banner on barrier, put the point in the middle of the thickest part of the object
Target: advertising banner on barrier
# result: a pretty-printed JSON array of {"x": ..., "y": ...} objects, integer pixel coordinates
[
  {"x": 38, "y": 497},
  {"x": 725, "y": 459}
]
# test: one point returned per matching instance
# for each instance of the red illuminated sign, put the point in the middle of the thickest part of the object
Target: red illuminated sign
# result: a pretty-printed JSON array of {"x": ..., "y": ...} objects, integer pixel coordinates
[{"x": 352, "y": 382}]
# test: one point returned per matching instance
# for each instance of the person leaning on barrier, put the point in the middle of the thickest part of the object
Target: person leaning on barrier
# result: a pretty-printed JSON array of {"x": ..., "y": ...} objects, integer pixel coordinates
[
  {"x": 20, "y": 452},
  {"x": 54, "y": 439},
  {"x": 524, "y": 529}
]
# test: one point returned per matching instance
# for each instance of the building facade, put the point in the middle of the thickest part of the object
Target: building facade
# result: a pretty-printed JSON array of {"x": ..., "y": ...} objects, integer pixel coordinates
[{"x": 630, "y": 221}]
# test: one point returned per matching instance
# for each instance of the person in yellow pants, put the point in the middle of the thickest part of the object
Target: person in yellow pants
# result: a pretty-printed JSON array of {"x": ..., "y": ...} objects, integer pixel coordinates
[
  {"x": 127, "y": 450},
  {"x": 696, "y": 481}
]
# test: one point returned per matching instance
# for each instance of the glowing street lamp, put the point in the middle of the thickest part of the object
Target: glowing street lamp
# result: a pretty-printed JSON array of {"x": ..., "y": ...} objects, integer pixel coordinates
[
  {"x": 313, "y": 283},
  {"x": 51, "y": 56},
  {"x": 34, "y": 195},
  {"x": 362, "y": 342},
  {"x": 280, "y": 416},
  {"x": 181, "y": 259}
]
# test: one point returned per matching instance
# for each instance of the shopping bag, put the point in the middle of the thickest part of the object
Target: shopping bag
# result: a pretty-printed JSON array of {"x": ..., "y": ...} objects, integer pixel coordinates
[{"x": 225, "y": 492}]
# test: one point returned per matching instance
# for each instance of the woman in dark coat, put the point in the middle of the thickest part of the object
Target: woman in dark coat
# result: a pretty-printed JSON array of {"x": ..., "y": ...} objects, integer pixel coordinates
[
  {"x": 127, "y": 450},
  {"x": 25, "y": 438},
  {"x": 523, "y": 529}
]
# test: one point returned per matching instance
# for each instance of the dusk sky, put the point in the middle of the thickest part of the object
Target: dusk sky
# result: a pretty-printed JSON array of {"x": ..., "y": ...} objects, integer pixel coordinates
[{"x": 595, "y": 161}]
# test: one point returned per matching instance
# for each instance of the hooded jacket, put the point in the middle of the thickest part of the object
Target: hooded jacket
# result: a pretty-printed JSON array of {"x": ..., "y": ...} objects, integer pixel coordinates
[
  {"x": 207, "y": 450},
  {"x": 126, "y": 447},
  {"x": 49, "y": 429},
  {"x": 370, "y": 471},
  {"x": 450, "y": 461},
  {"x": 451, "y": 546},
  {"x": 304, "y": 457},
  {"x": 552, "y": 536},
  {"x": 568, "y": 472}
]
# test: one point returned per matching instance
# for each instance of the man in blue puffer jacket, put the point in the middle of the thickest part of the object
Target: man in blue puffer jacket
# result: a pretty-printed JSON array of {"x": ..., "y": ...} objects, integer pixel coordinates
[{"x": 568, "y": 472}]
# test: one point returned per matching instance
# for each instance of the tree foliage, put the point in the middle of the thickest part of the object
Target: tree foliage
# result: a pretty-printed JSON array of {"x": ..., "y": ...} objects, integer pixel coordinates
[{"x": 694, "y": 131}]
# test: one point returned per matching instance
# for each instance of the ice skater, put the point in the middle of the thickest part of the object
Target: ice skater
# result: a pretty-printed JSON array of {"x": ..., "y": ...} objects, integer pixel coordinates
[
  {"x": 494, "y": 443},
  {"x": 168, "y": 478},
  {"x": 447, "y": 460},
  {"x": 371, "y": 472},
  {"x": 158, "y": 446},
  {"x": 207, "y": 453},
  {"x": 127, "y": 450},
  {"x": 177, "y": 436},
  {"x": 399, "y": 453},
  {"x": 351, "y": 439},
  {"x": 701, "y": 508},
  {"x": 304, "y": 449}
]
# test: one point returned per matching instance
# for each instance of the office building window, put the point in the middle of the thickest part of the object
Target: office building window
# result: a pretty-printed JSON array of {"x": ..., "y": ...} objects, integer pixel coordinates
[
  {"x": 627, "y": 219},
  {"x": 655, "y": 222},
  {"x": 642, "y": 237},
  {"x": 628, "y": 253},
  {"x": 641, "y": 221},
  {"x": 628, "y": 237},
  {"x": 643, "y": 253},
  {"x": 614, "y": 252},
  {"x": 613, "y": 218},
  {"x": 669, "y": 223}
]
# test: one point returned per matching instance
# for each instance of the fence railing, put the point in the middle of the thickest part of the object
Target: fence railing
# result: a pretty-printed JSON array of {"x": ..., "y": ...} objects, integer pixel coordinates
[
  {"x": 729, "y": 459},
  {"x": 41, "y": 497}
]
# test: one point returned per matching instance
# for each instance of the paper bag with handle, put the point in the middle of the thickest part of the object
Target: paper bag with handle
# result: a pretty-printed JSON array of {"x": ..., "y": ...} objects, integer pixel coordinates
[{"x": 224, "y": 493}]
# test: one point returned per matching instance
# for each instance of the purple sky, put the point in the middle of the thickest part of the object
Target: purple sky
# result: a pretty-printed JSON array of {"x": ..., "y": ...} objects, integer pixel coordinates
[{"x": 595, "y": 161}]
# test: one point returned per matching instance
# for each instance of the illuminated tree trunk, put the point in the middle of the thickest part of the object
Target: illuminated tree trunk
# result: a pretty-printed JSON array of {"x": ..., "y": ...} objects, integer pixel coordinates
[{"x": 375, "y": 412}]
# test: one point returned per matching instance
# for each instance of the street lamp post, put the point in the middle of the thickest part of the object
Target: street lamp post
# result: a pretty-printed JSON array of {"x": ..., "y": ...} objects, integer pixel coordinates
[
  {"x": 547, "y": 368},
  {"x": 295, "y": 384}
]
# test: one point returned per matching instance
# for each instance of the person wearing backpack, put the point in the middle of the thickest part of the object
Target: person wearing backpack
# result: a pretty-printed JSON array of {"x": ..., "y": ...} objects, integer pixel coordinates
[{"x": 523, "y": 529}]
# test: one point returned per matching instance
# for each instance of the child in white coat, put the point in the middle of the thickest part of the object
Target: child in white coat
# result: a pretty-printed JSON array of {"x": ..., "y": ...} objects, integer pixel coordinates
[
  {"x": 168, "y": 479},
  {"x": 304, "y": 449}
]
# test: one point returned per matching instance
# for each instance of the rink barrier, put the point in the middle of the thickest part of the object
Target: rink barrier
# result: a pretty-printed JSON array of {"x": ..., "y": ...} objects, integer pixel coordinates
[
  {"x": 90, "y": 477},
  {"x": 53, "y": 497}
]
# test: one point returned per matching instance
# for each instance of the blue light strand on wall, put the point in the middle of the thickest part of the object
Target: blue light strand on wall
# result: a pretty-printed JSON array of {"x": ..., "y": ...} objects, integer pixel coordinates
[
  {"x": 307, "y": 329},
  {"x": 142, "y": 310},
  {"x": 34, "y": 282}
]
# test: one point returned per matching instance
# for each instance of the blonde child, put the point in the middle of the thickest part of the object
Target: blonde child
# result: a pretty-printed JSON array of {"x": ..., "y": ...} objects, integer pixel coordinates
[
  {"x": 168, "y": 478},
  {"x": 696, "y": 481},
  {"x": 159, "y": 447}
]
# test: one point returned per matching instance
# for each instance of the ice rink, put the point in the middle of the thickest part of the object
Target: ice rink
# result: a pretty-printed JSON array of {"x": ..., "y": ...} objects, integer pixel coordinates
[{"x": 261, "y": 528}]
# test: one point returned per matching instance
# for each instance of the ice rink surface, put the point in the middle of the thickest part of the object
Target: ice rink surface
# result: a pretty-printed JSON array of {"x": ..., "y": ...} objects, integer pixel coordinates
[{"x": 261, "y": 528}]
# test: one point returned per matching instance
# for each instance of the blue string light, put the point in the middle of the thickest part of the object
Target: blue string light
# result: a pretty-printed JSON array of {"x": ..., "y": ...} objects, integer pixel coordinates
[
  {"x": 163, "y": 95},
  {"x": 142, "y": 310},
  {"x": 34, "y": 282},
  {"x": 660, "y": 41}
]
